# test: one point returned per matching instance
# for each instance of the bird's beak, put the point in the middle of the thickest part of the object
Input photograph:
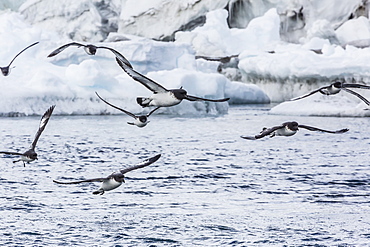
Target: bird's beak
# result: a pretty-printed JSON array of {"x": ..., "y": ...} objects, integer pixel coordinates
[{"x": 123, "y": 180}]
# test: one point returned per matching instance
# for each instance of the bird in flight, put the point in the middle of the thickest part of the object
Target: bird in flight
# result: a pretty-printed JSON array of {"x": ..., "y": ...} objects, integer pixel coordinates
[
  {"x": 91, "y": 50},
  {"x": 115, "y": 179},
  {"x": 30, "y": 154},
  {"x": 161, "y": 96},
  {"x": 6, "y": 70},
  {"x": 140, "y": 120},
  {"x": 335, "y": 88},
  {"x": 288, "y": 129}
]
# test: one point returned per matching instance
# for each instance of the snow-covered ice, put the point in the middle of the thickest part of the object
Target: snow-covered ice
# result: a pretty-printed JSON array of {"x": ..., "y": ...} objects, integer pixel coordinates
[
  {"x": 271, "y": 68},
  {"x": 322, "y": 105},
  {"x": 70, "y": 79}
]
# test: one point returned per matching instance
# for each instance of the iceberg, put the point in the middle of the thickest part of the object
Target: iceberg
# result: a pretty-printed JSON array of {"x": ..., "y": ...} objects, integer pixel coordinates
[
  {"x": 70, "y": 79},
  {"x": 329, "y": 42},
  {"x": 322, "y": 105},
  {"x": 215, "y": 38}
]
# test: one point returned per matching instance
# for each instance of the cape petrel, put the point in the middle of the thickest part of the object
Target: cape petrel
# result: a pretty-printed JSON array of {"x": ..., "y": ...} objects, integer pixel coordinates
[
  {"x": 161, "y": 96},
  {"x": 115, "y": 179},
  {"x": 30, "y": 154},
  {"x": 288, "y": 129},
  {"x": 140, "y": 120},
  {"x": 90, "y": 50},
  {"x": 335, "y": 88},
  {"x": 6, "y": 70}
]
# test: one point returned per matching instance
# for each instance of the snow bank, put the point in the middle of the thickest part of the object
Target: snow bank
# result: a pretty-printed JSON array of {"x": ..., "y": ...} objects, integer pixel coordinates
[
  {"x": 295, "y": 69},
  {"x": 321, "y": 105},
  {"x": 159, "y": 19},
  {"x": 78, "y": 20},
  {"x": 243, "y": 93},
  {"x": 215, "y": 38},
  {"x": 70, "y": 79},
  {"x": 353, "y": 30},
  {"x": 282, "y": 70}
]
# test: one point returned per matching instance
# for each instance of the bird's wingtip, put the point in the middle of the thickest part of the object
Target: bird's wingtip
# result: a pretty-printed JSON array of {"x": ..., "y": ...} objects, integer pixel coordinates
[
  {"x": 248, "y": 137},
  {"x": 155, "y": 158}
]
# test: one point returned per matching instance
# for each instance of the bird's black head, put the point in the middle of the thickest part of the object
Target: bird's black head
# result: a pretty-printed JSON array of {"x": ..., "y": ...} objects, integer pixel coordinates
[
  {"x": 179, "y": 93},
  {"x": 5, "y": 70},
  {"x": 143, "y": 119},
  {"x": 119, "y": 177},
  {"x": 293, "y": 125},
  {"x": 90, "y": 49},
  {"x": 337, "y": 84},
  {"x": 33, "y": 156}
]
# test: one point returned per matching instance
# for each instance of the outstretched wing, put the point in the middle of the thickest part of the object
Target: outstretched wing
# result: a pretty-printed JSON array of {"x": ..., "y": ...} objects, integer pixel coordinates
[
  {"x": 142, "y": 164},
  {"x": 193, "y": 98},
  {"x": 148, "y": 83},
  {"x": 248, "y": 137},
  {"x": 355, "y": 85},
  {"x": 44, "y": 120},
  {"x": 11, "y": 153},
  {"x": 118, "y": 55},
  {"x": 63, "y": 47},
  {"x": 21, "y": 52},
  {"x": 127, "y": 112},
  {"x": 150, "y": 113},
  {"x": 358, "y": 95},
  {"x": 309, "y": 94},
  {"x": 322, "y": 130},
  {"x": 264, "y": 132},
  {"x": 81, "y": 181}
]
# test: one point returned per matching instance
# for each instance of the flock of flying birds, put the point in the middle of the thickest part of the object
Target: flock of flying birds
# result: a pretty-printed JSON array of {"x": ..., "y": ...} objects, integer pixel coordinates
[{"x": 162, "y": 97}]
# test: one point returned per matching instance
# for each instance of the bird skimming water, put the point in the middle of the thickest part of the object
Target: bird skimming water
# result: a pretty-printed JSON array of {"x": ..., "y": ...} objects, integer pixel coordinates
[
  {"x": 30, "y": 154},
  {"x": 115, "y": 179}
]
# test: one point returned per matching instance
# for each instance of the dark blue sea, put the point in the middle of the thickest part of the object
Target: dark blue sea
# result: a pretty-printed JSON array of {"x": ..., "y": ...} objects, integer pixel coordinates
[{"x": 209, "y": 188}]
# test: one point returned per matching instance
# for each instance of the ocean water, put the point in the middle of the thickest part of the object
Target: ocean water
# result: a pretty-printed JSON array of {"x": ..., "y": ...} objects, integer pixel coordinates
[{"x": 209, "y": 188}]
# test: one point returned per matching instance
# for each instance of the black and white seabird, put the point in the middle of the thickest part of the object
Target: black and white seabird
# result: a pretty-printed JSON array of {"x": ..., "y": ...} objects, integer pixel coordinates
[
  {"x": 91, "y": 50},
  {"x": 140, "y": 120},
  {"x": 288, "y": 129},
  {"x": 161, "y": 96},
  {"x": 6, "y": 70},
  {"x": 335, "y": 88},
  {"x": 30, "y": 154},
  {"x": 115, "y": 179}
]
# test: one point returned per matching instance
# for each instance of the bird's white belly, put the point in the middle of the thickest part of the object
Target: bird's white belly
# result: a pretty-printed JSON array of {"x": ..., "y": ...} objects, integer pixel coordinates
[
  {"x": 138, "y": 123},
  {"x": 333, "y": 90},
  {"x": 110, "y": 184},
  {"x": 26, "y": 159},
  {"x": 285, "y": 132},
  {"x": 164, "y": 99}
]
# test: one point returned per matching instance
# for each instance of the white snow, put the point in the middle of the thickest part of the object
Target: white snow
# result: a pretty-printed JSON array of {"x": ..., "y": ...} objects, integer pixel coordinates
[
  {"x": 322, "y": 105},
  {"x": 352, "y": 30},
  {"x": 215, "y": 38},
  {"x": 271, "y": 68},
  {"x": 70, "y": 79},
  {"x": 160, "y": 18}
]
